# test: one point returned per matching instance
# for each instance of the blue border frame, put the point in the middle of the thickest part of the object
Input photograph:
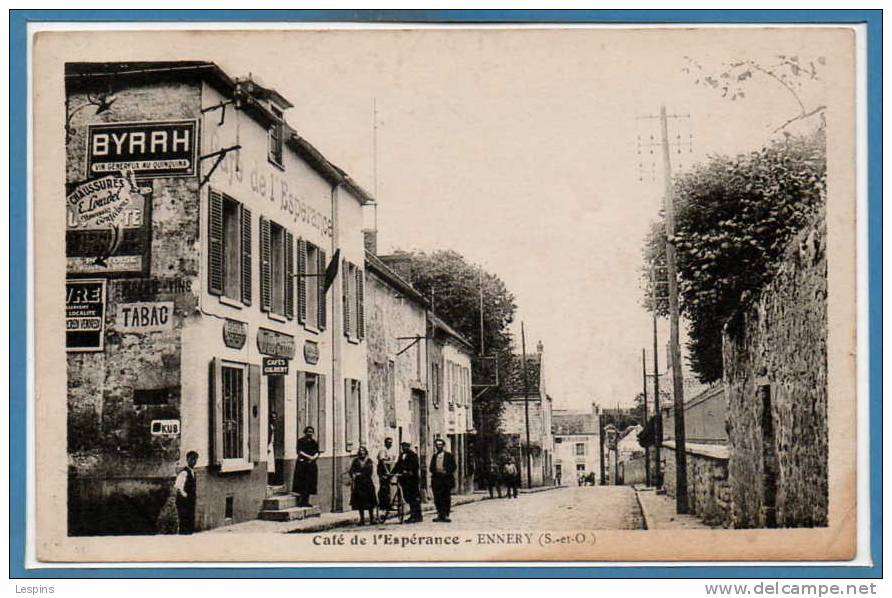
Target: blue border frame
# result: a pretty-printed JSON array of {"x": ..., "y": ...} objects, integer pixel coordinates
[{"x": 18, "y": 178}]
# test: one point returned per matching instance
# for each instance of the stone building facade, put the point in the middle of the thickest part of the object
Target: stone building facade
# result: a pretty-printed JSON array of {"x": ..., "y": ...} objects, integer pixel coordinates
[
  {"x": 538, "y": 405},
  {"x": 775, "y": 360},
  {"x": 200, "y": 229}
]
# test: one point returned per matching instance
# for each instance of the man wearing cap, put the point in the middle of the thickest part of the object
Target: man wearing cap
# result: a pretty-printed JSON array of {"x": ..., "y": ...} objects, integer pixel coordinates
[{"x": 407, "y": 467}]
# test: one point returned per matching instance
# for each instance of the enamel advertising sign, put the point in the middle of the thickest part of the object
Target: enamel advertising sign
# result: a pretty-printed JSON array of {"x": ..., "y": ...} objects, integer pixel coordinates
[{"x": 148, "y": 149}]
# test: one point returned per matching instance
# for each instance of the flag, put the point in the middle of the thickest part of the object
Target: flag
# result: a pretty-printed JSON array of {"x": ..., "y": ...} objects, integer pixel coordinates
[{"x": 331, "y": 271}]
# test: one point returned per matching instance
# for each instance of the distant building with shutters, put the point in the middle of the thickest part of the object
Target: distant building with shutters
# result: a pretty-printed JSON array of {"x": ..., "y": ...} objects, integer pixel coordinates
[
  {"x": 527, "y": 401},
  {"x": 577, "y": 445},
  {"x": 419, "y": 371},
  {"x": 200, "y": 227}
]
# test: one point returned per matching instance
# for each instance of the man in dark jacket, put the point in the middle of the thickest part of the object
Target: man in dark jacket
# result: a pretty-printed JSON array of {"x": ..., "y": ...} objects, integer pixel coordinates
[
  {"x": 407, "y": 468},
  {"x": 186, "y": 489},
  {"x": 442, "y": 470}
]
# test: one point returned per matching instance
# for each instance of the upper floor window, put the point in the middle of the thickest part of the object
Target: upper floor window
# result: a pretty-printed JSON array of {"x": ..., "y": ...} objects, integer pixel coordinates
[
  {"x": 276, "y": 269},
  {"x": 229, "y": 248},
  {"x": 353, "y": 300},
  {"x": 311, "y": 310},
  {"x": 277, "y": 137}
]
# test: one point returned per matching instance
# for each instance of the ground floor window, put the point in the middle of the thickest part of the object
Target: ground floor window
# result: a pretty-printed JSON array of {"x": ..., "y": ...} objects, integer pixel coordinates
[{"x": 233, "y": 383}]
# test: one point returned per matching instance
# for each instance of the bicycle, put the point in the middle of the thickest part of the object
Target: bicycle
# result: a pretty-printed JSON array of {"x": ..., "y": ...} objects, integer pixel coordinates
[{"x": 395, "y": 501}]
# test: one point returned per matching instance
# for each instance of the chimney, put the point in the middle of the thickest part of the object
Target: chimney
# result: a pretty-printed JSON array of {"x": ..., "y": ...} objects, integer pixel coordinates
[{"x": 370, "y": 239}]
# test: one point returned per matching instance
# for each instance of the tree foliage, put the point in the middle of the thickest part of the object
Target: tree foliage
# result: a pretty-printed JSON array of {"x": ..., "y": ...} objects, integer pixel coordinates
[
  {"x": 454, "y": 285},
  {"x": 792, "y": 73},
  {"x": 734, "y": 217}
]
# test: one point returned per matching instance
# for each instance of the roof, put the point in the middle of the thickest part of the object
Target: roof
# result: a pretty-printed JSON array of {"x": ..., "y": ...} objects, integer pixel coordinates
[
  {"x": 514, "y": 382},
  {"x": 439, "y": 325},
  {"x": 251, "y": 92},
  {"x": 567, "y": 424},
  {"x": 388, "y": 276}
]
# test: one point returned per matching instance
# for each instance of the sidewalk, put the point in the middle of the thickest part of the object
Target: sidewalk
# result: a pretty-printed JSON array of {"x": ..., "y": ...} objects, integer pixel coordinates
[
  {"x": 327, "y": 521},
  {"x": 658, "y": 511}
]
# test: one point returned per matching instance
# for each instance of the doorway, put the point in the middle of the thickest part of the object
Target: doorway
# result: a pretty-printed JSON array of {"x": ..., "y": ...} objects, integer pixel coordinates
[
  {"x": 275, "y": 450},
  {"x": 418, "y": 413}
]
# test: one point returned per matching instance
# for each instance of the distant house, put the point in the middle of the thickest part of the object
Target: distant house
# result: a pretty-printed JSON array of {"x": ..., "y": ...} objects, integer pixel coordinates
[
  {"x": 577, "y": 445},
  {"x": 527, "y": 400}
]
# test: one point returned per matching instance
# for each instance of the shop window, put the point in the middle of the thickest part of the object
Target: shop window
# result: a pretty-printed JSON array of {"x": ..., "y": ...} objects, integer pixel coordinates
[
  {"x": 276, "y": 269},
  {"x": 233, "y": 413},
  {"x": 229, "y": 248},
  {"x": 277, "y": 138}
]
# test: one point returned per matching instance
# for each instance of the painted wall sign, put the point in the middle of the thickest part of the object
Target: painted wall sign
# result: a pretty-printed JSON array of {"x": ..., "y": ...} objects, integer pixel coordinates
[
  {"x": 129, "y": 290},
  {"x": 108, "y": 224},
  {"x": 235, "y": 334},
  {"x": 270, "y": 342},
  {"x": 145, "y": 317},
  {"x": 311, "y": 352},
  {"x": 165, "y": 427},
  {"x": 275, "y": 366},
  {"x": 149, "y": 149},
  {"x": 84, "y": 315}
]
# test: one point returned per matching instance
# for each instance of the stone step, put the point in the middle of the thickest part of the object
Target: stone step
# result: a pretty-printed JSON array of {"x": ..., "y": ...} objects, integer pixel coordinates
[
  {"x": 274, "y": 490},
  {"x": 290, "y": 514},
  {"x": 279, "y": 502}
]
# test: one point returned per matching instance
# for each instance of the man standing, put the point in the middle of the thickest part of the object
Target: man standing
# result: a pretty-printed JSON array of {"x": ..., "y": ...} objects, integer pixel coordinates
[
  {"x": 185, "y": 488},
  {"x": 386, "y": 463},
  {"x": 407, "y": 467},
  {"x": 442, "y": 470},
  {"x": 511, "y": 477}
]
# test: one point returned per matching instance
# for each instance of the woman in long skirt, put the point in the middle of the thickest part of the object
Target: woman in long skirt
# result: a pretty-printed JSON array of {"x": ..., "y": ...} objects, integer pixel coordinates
[
  {"x": 306, "y": 472},
  {"x": 362, "y": 493}
]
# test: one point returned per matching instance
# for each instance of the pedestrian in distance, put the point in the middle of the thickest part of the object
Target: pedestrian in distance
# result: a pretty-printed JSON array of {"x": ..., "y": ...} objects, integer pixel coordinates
[
  {"x": 306, "y": 471},
  {"x": 442, "y": 470},
  {"x": 362, "y": 487},
  {"x": 511, "y": 477},
  {"x": 271, "y": 449},
  {"x": 494, "y": 479},
  {"x": 408, "y": 469},
  {"x": 186, "y": 494}
]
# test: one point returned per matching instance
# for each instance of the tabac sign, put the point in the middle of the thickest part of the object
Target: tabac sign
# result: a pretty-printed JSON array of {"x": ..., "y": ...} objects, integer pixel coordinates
[{"x": 148, "y": 149}]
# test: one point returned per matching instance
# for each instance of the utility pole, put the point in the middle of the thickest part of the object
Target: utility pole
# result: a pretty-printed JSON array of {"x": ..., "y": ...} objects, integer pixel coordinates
[
  {"x": 480, "y": 285},
  {"x": 526, "y": 403},
  {"x": 644, "y": 391},
  {"x": 658, "y": 411},
  {"x": 681, "y": 475}
]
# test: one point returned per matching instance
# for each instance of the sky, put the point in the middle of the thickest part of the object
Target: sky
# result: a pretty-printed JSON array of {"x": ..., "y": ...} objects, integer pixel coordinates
[{"x": 517, "y": 148}]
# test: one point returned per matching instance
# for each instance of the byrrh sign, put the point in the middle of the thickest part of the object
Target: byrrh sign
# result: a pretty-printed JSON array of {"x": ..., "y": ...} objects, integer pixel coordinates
[{"x": 148, "y": 149}]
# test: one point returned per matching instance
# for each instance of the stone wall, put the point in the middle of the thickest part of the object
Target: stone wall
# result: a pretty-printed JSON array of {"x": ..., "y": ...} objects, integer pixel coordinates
[
  {"x": 708, "y": 490},
  {"x": 775, "y": 362},
  {"x": 119, "y": 473}
]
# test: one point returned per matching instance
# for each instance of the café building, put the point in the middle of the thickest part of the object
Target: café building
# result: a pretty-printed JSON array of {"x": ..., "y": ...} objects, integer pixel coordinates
[{"x": 215, "y": 299}]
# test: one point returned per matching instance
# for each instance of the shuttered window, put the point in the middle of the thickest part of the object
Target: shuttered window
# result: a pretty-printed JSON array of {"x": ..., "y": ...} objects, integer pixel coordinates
[
  {"x": 353, "y": 426},
  {"x": 229, "y": 248},
  {"x": 265, "y": 272},
  {"x": 302, "y": 281},
  {"x": 311, "y": 288},
  {"x": 320, "y": 286},
  {"x": 276, "y": 269},
  {"x": 345, "y": 297},
  {"x": 360, "y": 303},
  {"x": 276, "y": 138}
]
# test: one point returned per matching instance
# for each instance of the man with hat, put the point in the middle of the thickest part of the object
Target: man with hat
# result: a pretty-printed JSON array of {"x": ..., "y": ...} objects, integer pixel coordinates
[{"x": 407, "y": 467}]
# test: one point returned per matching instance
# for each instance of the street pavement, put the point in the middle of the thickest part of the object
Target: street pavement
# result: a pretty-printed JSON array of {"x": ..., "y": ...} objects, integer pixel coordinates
[{"x": 566, "y": 508}]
